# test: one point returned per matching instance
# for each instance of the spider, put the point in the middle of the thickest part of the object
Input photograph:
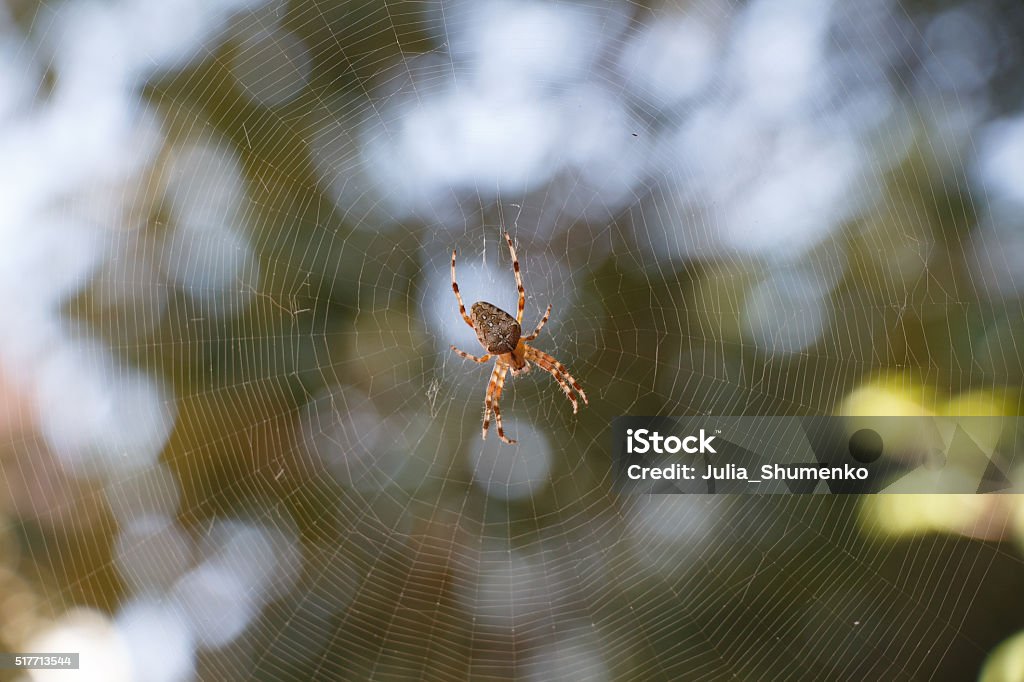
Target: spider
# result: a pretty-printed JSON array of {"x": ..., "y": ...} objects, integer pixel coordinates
[{"x": 501, "y": 336}]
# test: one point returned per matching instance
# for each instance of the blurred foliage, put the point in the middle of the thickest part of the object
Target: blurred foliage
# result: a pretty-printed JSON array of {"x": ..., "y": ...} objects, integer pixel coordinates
[{"x": 884, "y": 588}]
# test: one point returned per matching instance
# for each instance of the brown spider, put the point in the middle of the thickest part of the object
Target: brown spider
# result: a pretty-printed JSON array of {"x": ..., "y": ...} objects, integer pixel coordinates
[{"x": 501, "y": 336}]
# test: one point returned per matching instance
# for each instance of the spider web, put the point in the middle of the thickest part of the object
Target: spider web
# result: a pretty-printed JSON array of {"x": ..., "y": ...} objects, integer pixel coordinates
[{"x": 239, "y": 446}]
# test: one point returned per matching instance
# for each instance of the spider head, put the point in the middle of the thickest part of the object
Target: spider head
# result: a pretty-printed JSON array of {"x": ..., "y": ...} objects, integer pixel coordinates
[
  {"x": 516, "y": 371},
  {"x": 517, "y": 362}
]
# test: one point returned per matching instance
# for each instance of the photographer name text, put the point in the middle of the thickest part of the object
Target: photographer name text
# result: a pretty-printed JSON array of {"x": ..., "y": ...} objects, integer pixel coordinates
[
  {"x": 732, "y": 472},
  {"x": 643, "y": 441}
]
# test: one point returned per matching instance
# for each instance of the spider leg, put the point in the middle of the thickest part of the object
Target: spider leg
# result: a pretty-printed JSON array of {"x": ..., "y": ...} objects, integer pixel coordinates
[
  {"x": 497, "y": 410},
  {"x": 543, "y": 321},
  {"x": 561, "y": 383},
  {"x": 488, "y": 397},
  {"x": 458, "y": 296},
  {"x": 557, "y": 370},
  {"x": 519, "y": 279},
  {"x": 482, "y": 359}
]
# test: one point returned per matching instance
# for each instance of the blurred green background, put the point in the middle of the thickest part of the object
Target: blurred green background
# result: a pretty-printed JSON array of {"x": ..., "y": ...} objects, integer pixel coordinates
[{"x": 236, "y": 445}]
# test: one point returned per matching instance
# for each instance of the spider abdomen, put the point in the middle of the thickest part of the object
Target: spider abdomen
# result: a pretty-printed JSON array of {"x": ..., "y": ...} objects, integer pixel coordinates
[{"x": 497, "y": 331}]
